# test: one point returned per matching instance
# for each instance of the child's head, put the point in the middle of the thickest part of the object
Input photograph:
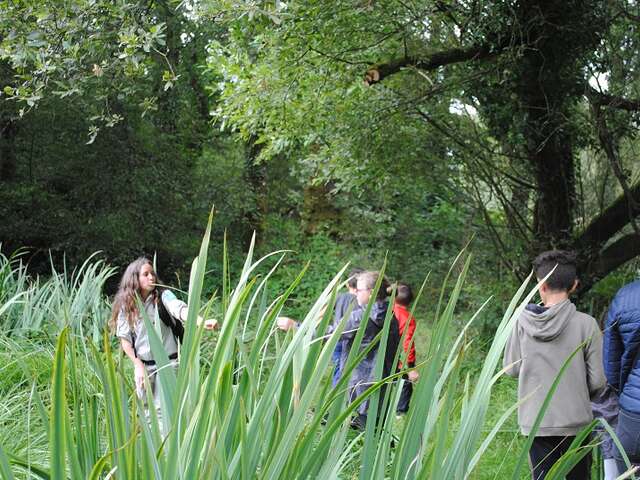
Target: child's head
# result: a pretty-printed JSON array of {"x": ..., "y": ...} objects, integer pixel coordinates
[
  {"x": 365, "y": 284},
  {"x": 564, "y": 278},
  {"x": 404, "y": 295},
  {"x": 352, "y": 282},
  {"x": 139, "y": 277}
]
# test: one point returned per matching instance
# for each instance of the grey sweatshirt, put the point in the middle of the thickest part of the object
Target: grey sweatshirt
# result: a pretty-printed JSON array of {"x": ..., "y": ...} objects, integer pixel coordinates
[{"x": 541, "y": 341}]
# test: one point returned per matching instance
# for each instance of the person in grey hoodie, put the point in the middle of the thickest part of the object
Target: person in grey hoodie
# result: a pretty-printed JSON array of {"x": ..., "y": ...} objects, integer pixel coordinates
[{"x": 542, "y": 340}]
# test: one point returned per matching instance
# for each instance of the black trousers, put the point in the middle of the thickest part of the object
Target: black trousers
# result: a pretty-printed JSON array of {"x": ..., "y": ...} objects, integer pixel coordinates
[
  {"x": 405, "y": 396},
  {"x": 407, "y": 391},
  {"x": 546, "y": 451}
]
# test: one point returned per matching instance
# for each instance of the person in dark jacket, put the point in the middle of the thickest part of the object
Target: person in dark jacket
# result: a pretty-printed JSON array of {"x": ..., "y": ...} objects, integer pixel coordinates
[
  {"x": 622, "y": 368},
  {"x": 345, "y": 303},
  {"x": 363, "y": 375}
]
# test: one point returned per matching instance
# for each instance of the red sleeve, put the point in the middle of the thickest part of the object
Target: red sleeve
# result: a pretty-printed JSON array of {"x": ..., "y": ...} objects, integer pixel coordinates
[
  {"x": 402, "y": 315},
  {"x": 408, "y": 341}
]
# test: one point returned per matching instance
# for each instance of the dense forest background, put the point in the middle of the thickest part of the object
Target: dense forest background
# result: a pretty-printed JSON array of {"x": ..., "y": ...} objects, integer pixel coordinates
[{"x": 344, "y": 131}]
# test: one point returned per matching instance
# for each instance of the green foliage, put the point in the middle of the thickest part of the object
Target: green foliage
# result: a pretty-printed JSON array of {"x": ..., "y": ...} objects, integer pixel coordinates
[
  {"x": 599, "y": 298},
  {"x": 120, "y": 155},
  {"x": 144, "y": 179},
  {"x": 36, "y": 307},
  {"x": 485, "y": 132},
  {"x": 220, "y": 417},
  {"x": 136, "y": 189},
  {"x": 97, "y": 45},
  {"x": 414, "y": 167}
]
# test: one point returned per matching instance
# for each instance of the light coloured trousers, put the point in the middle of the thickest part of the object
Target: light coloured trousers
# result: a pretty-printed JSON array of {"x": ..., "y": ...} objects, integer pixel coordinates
[{"x": 156, "y": 394}]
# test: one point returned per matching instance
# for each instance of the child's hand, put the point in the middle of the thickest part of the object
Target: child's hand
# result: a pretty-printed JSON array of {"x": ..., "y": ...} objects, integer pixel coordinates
[
  {"x": 413, "y": 376},
  {"x": 211, "y": 324},
  {"x": 138, "y": 376},
  {"x": 285, "y": 323}
]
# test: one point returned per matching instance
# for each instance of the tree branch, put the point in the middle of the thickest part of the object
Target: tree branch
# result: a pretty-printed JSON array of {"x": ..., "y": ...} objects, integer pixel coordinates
[
  {"x": 610, "y": 221},
  {"x": 613, "y": 101},
  {"x": 378, "y": 73},
  {"x": 495, "y": 236},
  {"x": 610, "y": 149},
  {"x": 612, "y": 257},
  {"x": 629, "y": 15}
]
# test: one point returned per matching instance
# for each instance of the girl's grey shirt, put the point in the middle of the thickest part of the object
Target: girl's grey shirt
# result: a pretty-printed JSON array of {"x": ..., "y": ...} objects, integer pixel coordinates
[{"x": 142, "y": 346}]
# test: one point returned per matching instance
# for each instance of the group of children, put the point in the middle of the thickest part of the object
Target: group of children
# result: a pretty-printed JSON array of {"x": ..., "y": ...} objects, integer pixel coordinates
[
  {"x": 140, "y": 296},
  {"x": 549, "y": 340},
  {"x": 401, "y": 330},
  {"x": 350, "y": 307}
]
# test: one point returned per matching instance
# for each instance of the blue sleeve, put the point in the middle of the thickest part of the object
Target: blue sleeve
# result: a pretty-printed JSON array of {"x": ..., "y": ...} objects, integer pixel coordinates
[
  {"x": 168, "y": 295},
  {"x": 613, "y": 347},
  {"x": 173, "y": 305},
  {"x": 353, "y": 323}
]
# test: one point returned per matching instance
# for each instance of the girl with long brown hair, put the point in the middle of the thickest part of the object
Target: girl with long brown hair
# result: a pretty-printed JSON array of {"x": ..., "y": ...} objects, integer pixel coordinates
[{"x": 139, "y": 285}]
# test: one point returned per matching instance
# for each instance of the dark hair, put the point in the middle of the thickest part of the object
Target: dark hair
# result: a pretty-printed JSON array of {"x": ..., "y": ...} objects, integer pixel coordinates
[
  {"x": 353, "y": 276},
  {"x": 404, "y": 294},
  {"x": 370, "y": 279},
  {"x": 564, "y": 275}
]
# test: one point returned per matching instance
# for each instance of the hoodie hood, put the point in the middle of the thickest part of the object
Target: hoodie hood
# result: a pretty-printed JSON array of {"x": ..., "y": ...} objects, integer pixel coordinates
[
  {"x": 546, "y": 324},
  {"x": 379, "y": 312}
]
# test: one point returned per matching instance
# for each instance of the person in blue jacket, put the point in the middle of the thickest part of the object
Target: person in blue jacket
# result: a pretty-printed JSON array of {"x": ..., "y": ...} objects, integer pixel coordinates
[
  {"x": 622, "y": 368},
  {"x": 345, "y": 303},
  {"x": 363, "y": 375}
]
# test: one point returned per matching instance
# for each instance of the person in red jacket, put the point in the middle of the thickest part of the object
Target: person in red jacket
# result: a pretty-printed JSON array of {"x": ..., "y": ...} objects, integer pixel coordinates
[{"x": 406, "y": 327}]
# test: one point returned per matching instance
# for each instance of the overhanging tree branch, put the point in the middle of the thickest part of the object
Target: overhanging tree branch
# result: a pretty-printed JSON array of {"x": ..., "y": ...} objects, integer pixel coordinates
[
  {"x": 378, "y": 73},
  {"x": 610, "y": 221},
  {"x": 612, "y": 101},
  {"x": 610, "y": 148},
  {"x": 612, "y": 257}
]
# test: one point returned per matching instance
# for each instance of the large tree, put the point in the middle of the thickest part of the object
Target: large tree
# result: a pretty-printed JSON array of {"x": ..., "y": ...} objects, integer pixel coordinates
[
  {"x": 328, "y": 78},
  {"x": 104, "y": 117}
]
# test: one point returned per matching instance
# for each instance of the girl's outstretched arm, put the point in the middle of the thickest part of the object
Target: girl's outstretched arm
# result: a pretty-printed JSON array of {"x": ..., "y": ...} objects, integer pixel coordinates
[{"x": 178, "y": 309}]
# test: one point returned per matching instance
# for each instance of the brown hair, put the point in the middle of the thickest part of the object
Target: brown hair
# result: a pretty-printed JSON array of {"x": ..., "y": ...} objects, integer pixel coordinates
[
  {"x": 129, "y": 288},
  {"x": 370, "y": 279},
  {"x": 353, "y": 276},
  {"x": 404, "y": 294}
]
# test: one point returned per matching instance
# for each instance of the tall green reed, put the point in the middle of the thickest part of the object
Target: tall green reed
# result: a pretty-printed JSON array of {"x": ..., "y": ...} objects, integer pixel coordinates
[
  {"x": 31, "y": 306},
  {"x": 262, "y": 406}
]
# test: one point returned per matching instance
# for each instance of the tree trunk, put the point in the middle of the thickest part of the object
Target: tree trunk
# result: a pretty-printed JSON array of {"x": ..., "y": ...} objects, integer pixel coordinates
[
  {"x": 542, "y": 91},
  {"x": 8, "y": 133},
  {"x": 256, "y": 177},
  {"x": 555, "y": 179},
  {"x": 318, "y": 209}
]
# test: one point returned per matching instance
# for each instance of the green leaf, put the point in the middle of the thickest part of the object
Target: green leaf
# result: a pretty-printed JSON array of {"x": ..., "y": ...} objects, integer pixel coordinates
[{"x": 59, "y": 415}]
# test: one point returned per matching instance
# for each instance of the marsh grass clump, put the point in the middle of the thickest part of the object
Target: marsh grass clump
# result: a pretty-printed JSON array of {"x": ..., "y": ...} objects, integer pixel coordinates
[
  {"x": 253, "y": 403},
  {"x": 36, "y": 307}
]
